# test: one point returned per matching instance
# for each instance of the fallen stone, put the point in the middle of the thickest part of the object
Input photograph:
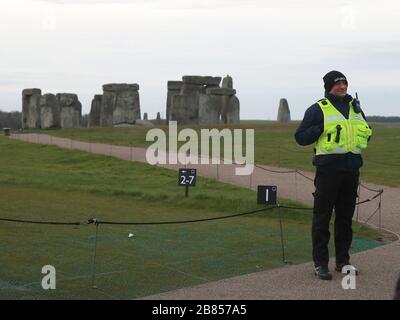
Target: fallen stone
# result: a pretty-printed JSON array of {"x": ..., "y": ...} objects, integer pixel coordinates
[{"x": 144, "y": 123}]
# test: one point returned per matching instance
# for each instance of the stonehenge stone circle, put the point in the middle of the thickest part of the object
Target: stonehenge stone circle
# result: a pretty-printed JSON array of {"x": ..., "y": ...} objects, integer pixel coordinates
[
  {"x": 200, "y": 100},
  {"x": 62, "y": 110}
]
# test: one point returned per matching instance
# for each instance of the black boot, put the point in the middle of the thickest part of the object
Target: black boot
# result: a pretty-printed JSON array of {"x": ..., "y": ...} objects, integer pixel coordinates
[
  {"x": 350, "y": 268},
  {"x": 323, "y": 273}
]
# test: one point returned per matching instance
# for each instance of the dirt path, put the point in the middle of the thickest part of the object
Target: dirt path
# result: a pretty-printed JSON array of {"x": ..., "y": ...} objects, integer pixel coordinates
[{"x": 379, "y": 267}]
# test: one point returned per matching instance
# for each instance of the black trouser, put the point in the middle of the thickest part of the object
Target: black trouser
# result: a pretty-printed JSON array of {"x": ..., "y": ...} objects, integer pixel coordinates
[{"x": 336, "y": 190}]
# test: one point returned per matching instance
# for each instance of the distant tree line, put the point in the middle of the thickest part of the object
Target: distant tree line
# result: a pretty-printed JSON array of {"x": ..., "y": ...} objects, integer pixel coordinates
[
  {"x": 10, "y": 120},
  {"x": 382, "y": 119}
]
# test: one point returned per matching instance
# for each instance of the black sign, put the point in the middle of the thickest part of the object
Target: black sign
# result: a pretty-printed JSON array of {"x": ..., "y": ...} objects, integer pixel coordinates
[
  {"x": 187, "y": 177},
  {"x": 266, "y": 195}
]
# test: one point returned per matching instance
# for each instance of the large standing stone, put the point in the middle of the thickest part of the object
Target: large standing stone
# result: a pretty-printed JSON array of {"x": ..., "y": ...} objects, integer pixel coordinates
[
  {"x": 31, "y": 108},
  {"x": 233, "y": 110},
  {"x": 120, "y": 104},
  {"x": 95, "y": 111},
  {"x": 174, "y": 88},
  {"x": 185, "y": 109},
  {"x": 49, "y": 112},
  {"x": 283, "y": 111},
  {"x": 227, "y": 82},
  {"x": 70, "y": 110},
  {"x": 225, "y": 105},
  {"x": 209, "y": 109}
]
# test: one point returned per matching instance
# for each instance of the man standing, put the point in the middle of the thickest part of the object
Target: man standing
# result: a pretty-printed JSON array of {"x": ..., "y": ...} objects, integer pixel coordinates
[{"x": 338, "y": 127}]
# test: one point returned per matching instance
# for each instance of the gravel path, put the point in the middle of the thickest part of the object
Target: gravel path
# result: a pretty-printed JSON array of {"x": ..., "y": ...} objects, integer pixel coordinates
[{"x": 379, "y": 267}]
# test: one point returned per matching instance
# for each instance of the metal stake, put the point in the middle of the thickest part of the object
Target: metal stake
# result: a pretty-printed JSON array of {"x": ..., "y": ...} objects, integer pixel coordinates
[
  {"x": 380, "y": 212},
  {"x": 187, "y": 190},
  {"x": 280, "y": 226},
  {"x": 94, "y": 257}
]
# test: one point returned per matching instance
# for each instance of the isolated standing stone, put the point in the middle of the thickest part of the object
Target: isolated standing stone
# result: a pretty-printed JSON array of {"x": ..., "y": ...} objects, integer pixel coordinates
[
  {"x": 120, "y": 104},
  {"x": 70, "y": 110},
  {"x": 145, "y": 117},
  {"x": 158, "y": 118},
  {"x": 49, "y": 111},
  {"x": 283, "y": 111},
  {"x": 95, "y": 110},
  {"x": 31, "y": 108}
]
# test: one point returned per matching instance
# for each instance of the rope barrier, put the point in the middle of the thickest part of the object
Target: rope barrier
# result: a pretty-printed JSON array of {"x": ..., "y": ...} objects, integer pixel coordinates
[
  {"x": 378, "y": 191},
  {"x": 303, "y": 175},
  {"x": 95, "y": 221},
  {"x": 370, "y": 189},
  {"x": 40, "y": 222},
  {"x": 274, "y": 171}
]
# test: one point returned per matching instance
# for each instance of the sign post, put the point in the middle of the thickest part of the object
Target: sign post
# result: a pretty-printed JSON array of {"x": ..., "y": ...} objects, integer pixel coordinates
[
  {"x": 268, "y": 195},
  {"x": 187, "y": 178}
]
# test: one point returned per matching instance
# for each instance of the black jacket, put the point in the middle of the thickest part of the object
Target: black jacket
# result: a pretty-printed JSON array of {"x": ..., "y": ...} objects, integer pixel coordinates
[{"x": 312, "y": 127}]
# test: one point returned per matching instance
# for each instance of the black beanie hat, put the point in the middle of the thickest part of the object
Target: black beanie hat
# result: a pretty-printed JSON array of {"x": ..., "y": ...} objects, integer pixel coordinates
[{"x": 331, "y": 78}]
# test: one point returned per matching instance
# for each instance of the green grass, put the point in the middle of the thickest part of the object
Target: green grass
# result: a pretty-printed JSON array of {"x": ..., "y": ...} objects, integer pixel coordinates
[
  {"x": 274, "y": 145},
  {"x": 43, "y": 182}
]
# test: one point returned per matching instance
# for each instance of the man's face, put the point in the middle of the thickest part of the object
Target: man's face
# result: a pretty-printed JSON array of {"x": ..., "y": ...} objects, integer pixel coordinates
[{"x": 339, "y": 89}]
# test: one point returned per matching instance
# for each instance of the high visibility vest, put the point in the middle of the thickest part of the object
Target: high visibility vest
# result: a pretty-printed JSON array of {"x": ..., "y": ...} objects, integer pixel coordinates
[{"x": 342, "y": 135}]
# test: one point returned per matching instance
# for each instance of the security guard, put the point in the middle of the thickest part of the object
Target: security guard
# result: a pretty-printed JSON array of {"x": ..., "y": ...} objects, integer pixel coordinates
[{"x": 337, "y": 126}]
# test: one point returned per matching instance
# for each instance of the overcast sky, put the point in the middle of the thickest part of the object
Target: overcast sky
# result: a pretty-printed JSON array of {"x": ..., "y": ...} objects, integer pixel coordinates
[{"x": 272, "y": 49}]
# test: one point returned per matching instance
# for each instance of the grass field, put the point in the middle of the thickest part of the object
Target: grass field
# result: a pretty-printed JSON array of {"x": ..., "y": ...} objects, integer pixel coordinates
[
  {"x": 275, "y": 145},
  {"x": 42, "y": 182}
]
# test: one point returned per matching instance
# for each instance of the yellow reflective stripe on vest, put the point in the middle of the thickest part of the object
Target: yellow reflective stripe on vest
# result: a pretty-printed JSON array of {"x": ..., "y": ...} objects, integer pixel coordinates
[{"x": 333, "y": 118}]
